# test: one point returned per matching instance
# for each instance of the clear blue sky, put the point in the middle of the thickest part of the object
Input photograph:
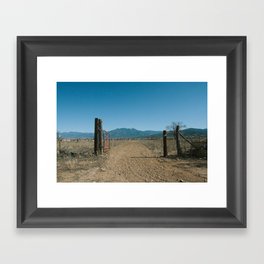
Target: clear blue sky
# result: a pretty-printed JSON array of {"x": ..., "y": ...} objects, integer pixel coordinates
[{"x": 140, "y": 105}]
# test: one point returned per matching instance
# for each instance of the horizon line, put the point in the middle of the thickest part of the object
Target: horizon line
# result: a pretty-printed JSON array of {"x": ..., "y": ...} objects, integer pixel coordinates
[{"x": 125, "y": 128}]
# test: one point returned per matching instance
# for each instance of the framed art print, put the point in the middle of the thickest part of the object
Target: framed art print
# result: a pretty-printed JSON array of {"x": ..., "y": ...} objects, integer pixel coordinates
[{"x": 131, "y": 131}]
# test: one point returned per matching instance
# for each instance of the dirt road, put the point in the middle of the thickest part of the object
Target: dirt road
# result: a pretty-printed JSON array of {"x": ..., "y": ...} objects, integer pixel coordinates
[{"x": 133, "y": 161}]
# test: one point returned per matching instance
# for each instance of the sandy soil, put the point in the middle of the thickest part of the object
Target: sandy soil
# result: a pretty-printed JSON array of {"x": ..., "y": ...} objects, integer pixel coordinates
[{"x": 133, "y": 161}]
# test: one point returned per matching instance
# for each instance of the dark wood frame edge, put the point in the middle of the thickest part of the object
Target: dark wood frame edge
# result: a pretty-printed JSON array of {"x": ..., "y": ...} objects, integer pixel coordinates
[{"x": 28, "y": 215}]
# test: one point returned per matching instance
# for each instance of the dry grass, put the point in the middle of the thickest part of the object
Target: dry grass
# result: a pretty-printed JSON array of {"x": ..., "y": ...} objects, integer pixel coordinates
[
  {"x": 75, "y": 156},
  {"x": 127, "y": 161}
]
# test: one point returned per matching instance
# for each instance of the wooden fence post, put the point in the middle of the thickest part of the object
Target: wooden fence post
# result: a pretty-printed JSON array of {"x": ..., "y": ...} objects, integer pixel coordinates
[
  {"x": 165, "y": 153},
  {"x": 96, "y": 136},
  {"x": 178, "y": 146},
  {"x": 100, "y": 132}
]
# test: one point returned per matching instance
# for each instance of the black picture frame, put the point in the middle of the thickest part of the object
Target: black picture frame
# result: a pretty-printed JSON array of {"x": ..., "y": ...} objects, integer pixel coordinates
[{"x": 29, "y": 48}]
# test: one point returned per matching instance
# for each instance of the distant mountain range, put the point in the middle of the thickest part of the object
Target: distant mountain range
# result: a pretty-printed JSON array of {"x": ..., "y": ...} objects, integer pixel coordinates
[
  {"x": 130, "y": 133},
  {"x": 74, "y": 135}
]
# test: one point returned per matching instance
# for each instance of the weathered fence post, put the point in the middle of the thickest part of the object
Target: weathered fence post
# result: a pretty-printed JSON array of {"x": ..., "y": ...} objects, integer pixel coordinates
[
  {"x": 165, "y": 153},
  {"x": 96, "y": 136},
  {"x": 100, "y": 130},
  {"x": 178, "y": 146}
]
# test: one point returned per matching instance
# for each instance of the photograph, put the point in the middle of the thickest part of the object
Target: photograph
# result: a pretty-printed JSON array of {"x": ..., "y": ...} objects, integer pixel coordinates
[{"x": 132, "y": 132}]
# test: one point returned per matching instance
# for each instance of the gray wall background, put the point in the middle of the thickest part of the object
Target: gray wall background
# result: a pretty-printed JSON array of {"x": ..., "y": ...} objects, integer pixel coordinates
[{"x": 131, "y": 17}]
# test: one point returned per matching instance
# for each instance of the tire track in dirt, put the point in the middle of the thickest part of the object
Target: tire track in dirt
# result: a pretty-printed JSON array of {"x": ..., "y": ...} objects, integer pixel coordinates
[{"x": 132, "y": 161}]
